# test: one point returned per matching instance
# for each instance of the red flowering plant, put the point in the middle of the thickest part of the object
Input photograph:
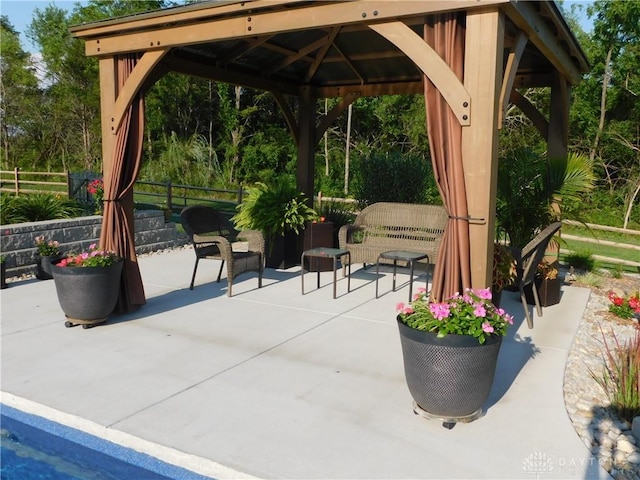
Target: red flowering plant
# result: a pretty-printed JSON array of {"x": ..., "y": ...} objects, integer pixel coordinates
[
  {"x": 94, "y": 257},
  {"x": 470, "y": 313},
  {"x": 625, "y": 307},
  {"x": 96, "y": 188}
]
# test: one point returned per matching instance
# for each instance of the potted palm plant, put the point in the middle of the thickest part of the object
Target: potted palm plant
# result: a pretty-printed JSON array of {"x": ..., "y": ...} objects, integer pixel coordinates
[
  {"x": 535, "y": 191},
  {"x": 281, "y": 213},
  {"x": 450, "y": 352},
  {"x": 87, "y": 285}
]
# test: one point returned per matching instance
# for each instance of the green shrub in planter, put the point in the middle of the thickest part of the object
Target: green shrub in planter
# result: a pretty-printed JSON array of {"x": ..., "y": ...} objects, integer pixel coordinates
[{"x": 274, "y": 209}]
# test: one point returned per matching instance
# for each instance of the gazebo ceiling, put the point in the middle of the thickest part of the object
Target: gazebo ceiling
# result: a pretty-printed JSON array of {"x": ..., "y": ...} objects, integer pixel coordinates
[{"x": 282, "y": 46}]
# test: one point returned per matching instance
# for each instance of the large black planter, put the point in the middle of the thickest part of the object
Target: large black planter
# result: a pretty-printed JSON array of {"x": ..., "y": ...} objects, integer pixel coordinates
[
  {"x": 3, "y": 275},
  {"x": 87, "y": 295},
  {"x": 284, "y": 251},
  {"x": 43, "y": 266},
  {"x": 450, "y": 377}
]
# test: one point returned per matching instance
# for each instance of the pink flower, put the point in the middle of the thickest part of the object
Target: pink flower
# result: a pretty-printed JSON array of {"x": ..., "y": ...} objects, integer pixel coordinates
[
  {"x": 487, "y": 328},
  {"x": 439, "y": 310},
  {"x": 480, "y": 311},
  {"x": 404, "y": 309},
  {"x": 509, "y": 319},
  {"x": 484, "y": 293}
]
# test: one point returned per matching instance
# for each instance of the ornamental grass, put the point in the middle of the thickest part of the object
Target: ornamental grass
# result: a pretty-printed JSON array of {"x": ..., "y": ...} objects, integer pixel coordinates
[{"x": 620, "y": 376}]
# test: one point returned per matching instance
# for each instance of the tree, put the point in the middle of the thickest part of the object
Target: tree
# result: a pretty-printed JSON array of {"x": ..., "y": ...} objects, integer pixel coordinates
[
  {"x": 18, "y": 95},
  {"x": 607, "y": 111}
]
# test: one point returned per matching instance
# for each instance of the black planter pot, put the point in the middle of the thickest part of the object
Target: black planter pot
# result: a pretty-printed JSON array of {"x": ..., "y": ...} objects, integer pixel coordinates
[
  {"x": 43, "y": 266},
  {"x": 450, "y": 377},
  {"x": 284, "y": 251},
  {"x": 3, "y": 275},
  {"x": 87, "y": 295},
  {"x": 548, "y": 291},
  {"x": 496, "y": 296}
]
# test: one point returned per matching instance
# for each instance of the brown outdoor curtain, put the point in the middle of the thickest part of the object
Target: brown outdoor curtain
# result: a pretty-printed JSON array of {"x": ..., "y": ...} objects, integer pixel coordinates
[
  {"x": 445, "y": 34},
  {"x": 117, "y": 232}
]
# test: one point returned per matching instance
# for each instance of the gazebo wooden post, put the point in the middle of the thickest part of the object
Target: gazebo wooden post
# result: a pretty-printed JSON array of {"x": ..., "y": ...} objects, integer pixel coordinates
[
  {"x": 306, "y": 142},
  {"x": 108, "y": 80},
  {"x": 558, "y": 133},
  {"x": 482, "y": 79}
]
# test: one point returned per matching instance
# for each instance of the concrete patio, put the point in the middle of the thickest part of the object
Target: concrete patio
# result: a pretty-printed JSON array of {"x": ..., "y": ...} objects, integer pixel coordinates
[{"x": 273, "y": 384}]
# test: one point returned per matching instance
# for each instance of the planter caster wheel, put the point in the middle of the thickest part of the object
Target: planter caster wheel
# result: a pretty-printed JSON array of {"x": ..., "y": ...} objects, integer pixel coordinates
[
  {"x": 86, "y": 325},
  {"x": 448, "y": 425},
  {"x": 69, "y": 324}
]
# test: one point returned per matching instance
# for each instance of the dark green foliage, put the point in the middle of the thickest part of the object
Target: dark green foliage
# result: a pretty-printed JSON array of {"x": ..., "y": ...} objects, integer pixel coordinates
[
  {"x": 528, "y": 185},
  {"x": 392, "y": 177},
  {"x": 581, "y": 260},
  {"x": 274, "y": 209},
  {"x": 37, "y": 207}
]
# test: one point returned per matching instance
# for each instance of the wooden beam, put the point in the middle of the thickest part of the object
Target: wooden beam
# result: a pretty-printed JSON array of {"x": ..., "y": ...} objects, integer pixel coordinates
[
  {"x": 431, "y": 65},
  {"x": 197, "y": 69},
  {"x": 482, "y": 79},
  {"x": 525, "y": 16},
  {"x": 513, "y": 60},
  {"x": 288, "y": 115},
  {"x": 315, "y": 15},
  {"x": 371, "y": 90},
  {"x": 249, "y": 45},
  {"x": 292, "y": 57},
  {"x": 532, "y": 80},
  {"x": 189, "y": 13},
  {"x": 133, "y": 84},
  {"x": 321, "y": 55},
  {"x": 531, "y": 112}
]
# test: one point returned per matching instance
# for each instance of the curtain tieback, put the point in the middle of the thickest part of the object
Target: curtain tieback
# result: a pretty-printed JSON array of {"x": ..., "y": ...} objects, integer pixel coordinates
[{"x": 479, "y": 221}]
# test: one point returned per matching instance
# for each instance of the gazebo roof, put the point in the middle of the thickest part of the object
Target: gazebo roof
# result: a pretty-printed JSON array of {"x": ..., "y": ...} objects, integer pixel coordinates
[{"x": 281, "y": 46}]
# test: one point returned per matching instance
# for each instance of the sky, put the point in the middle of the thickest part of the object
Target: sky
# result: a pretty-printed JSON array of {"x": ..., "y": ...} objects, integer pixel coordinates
[{"x": 20, "y": 13}]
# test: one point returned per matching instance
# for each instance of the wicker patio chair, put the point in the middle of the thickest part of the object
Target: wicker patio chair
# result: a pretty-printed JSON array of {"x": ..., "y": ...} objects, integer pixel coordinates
[
  {"x": 214, "y": 238},
  {"x": 527, "y": 260}
]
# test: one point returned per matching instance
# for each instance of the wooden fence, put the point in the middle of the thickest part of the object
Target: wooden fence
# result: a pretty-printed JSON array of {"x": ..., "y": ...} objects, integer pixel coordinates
[{"x": 19, "y": 182}]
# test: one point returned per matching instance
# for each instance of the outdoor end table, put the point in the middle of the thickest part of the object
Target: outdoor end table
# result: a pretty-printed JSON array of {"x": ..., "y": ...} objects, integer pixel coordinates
[
  {"x": 400, "y": 255},
  {"x": 325, "y": 252}
]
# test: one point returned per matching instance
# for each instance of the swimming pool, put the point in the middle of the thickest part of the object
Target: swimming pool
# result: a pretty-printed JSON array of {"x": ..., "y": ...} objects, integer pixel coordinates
[{"x": 37, "y": 448}]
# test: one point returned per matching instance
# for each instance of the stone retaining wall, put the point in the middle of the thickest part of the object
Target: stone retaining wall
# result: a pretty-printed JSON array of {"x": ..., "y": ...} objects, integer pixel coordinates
[{"x": 17, "y": 242}]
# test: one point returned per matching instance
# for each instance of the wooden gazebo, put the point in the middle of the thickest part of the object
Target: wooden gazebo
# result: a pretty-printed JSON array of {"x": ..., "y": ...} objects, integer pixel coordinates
[{"x": 469, "y": 57}]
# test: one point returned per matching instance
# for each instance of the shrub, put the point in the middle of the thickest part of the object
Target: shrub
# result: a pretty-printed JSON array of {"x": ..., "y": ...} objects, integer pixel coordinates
[
  {"x": 591, "y": 279},
  {"x": 274, "y": 209},
  {"x": 581, "y": 259},
  {"x": 38, "y": 207},
  {"x": 620, "y": 376},
  {"x": 393, "y": 177}
]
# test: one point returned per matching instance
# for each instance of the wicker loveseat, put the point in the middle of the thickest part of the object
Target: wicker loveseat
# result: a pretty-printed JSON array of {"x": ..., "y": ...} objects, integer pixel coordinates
[{"x": 385, "y": 226}]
